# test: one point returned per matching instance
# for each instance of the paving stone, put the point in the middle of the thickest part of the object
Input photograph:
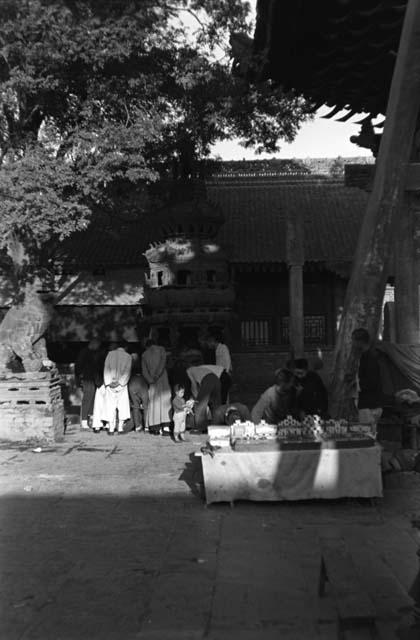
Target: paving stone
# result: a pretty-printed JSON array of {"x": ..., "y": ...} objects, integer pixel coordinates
[{"x": 116, "y": 544}]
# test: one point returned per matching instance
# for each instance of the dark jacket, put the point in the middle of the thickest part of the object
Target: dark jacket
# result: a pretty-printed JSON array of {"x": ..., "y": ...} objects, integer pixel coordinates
[
  {"x": 371, "y": 394},
  {"x": 313, "y": 396},
  {"x": 90, "y": 366}
]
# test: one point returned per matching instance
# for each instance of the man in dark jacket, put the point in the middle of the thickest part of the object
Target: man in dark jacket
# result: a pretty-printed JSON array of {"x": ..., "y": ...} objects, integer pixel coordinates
[
  {"x": 89, "y": 371},
  {"x": 138, "y": 391},
  {"x": 312, "y": 396},
  {"x": 370, "y": 399}
]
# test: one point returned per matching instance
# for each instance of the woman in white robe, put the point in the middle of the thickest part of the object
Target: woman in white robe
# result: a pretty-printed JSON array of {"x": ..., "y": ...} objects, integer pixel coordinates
[{"x": 112, "y": 397}]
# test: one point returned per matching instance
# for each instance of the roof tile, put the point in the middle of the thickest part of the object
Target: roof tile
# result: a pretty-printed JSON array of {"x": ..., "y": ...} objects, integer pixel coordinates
[{"x": 254, "y": 227}]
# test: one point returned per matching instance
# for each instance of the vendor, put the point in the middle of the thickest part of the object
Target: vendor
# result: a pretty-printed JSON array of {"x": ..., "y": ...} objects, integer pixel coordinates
[
  {"x": 229, "y": 413},
  {"x": 277, "y": 401},
  {"x": 312, "y": 396},
  {"x": 206, "y": 389},
  {"x": 370, "y": 400}
]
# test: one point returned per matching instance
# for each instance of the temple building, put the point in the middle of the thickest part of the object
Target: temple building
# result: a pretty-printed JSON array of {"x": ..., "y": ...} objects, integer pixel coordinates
[{"x": 217, "y": 254}]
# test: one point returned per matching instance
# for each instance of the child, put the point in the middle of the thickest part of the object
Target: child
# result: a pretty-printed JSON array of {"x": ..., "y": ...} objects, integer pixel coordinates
[{"x": 180, "y": 410}]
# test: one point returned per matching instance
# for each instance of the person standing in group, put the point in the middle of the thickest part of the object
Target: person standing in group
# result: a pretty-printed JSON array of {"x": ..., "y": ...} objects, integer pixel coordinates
[
  {"x": 370, "y": 397},
  {"x": 111, "y": 402},
  {"x": 206, "y": 389},
  {"x": 224, "y": 360},
  {"x": 153, "y": 364},
  {"x": 181, "y": 408},
  {"x": 138, "y": 391},
  {"x": 89, "y": 368}
]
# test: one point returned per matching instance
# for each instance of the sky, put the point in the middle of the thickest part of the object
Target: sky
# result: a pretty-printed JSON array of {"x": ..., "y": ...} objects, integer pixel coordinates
[{"x": 320, "y": 138}]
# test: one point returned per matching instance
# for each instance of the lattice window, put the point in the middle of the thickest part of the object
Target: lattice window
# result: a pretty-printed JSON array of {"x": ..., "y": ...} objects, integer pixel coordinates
[
  {"x": 314, "y": 330},
  {"x": 183, "y": 278},
  {"x": 255, "y": 332}
]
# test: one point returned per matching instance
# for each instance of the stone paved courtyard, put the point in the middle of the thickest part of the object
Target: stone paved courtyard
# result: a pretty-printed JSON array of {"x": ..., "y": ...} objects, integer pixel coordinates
[{"x": 109, "y": 538}]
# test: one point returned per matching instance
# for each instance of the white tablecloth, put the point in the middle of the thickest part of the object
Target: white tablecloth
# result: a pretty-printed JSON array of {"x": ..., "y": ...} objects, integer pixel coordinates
[{"x": 293, "y": 475}]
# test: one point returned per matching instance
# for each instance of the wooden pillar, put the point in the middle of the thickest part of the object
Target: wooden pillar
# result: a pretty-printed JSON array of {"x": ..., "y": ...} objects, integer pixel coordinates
[
  {"x": 406, "y": 275},
  {"x": 295, "y": 261},
  {"x": 296, "y": 317},
  {"x": 363, "y": 306}
]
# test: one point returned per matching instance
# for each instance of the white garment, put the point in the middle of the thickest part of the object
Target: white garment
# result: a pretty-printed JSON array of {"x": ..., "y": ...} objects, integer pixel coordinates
[
  {"x": 223, "y": 358},
  {"x": 108, "y": 398},
  {"x": 179, "y": 422},
  {"x": 196, "y": 375},
  {"x": 117, "y": 367},
  {"x": 116, "y": 398},
  {"x": 107, "y": 401},
  {"x": 99, "y": 408}
]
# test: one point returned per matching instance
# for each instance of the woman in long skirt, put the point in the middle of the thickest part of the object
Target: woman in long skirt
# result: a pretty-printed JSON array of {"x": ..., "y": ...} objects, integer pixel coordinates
[{"x": 153, "y": 363}]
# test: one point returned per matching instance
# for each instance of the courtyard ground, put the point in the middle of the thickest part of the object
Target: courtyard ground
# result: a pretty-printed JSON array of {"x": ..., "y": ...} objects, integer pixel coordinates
[{"x": 108, "y": 538}]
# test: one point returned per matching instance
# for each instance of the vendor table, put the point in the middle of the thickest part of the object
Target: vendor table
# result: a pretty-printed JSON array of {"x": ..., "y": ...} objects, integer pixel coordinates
[{"x": 292, "y": 475}]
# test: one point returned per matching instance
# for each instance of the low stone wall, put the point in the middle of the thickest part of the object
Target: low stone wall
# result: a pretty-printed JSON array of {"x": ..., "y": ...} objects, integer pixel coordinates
[
  {"x": 31, "y": 408},
  {"x": 42, "y": 424}
]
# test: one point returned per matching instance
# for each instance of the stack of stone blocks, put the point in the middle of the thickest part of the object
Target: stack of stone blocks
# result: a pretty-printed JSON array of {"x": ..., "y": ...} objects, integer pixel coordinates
[{"x": 31, "y": 407}]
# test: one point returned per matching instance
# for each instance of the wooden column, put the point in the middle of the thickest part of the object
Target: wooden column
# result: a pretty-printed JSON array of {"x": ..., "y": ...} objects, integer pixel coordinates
[
  {"x": 406, "y": 275},
  {"x": 363, "y": 306},
  {"x": 295, "y": 261}
]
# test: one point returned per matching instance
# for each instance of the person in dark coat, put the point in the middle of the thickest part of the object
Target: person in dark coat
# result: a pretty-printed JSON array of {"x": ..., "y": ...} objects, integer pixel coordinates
[
  {"x": 89, "y": 371},
  {"x": 312, "y": 396},
  {"x": 371, "y": 397},
  {"x": 138, "y": 391}
]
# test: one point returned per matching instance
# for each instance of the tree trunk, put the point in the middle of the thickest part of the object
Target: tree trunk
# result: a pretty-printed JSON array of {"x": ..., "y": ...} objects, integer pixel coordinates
[
  {"x": 363, "y": 304},
  {"x": 407, "y": 275}
]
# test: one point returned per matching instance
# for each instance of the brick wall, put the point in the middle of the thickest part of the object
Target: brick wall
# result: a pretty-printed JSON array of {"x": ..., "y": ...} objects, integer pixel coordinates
[{"x": 359, "y": 175}]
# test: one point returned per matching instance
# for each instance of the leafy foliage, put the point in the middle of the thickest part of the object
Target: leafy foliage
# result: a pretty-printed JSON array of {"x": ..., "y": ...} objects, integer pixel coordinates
[{"x": 95, "y": 97}]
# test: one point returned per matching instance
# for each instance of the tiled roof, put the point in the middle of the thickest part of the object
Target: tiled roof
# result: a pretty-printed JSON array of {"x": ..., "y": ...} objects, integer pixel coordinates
[
  {"x": 335, "y": 52},
  {"x": 254, "y": 228}
]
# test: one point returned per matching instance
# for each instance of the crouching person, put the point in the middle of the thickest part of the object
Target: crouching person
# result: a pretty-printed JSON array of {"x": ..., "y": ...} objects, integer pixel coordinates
[{"x": 278, "y": 401}]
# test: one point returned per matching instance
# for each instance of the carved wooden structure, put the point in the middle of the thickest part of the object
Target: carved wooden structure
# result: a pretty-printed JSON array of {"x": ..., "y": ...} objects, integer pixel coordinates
[{"x": 188, "y": 288}]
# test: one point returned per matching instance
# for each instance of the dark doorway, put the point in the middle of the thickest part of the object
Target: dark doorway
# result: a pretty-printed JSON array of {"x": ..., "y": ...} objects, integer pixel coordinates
[{"x": 188, "y": 337}]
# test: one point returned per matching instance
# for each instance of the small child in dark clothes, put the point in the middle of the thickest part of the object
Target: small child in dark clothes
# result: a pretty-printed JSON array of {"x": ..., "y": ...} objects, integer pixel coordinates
[{"x": 180, "y": 410}]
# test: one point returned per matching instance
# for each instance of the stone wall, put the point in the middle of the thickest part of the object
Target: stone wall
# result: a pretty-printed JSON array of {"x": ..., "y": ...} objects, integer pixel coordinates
[
  {"x": 43, "y": 424},
  {"x": 31, "y": 408}
]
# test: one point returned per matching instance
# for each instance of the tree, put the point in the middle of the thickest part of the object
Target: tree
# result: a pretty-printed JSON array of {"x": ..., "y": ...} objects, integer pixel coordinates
[{"x": 96, "y": 97}]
